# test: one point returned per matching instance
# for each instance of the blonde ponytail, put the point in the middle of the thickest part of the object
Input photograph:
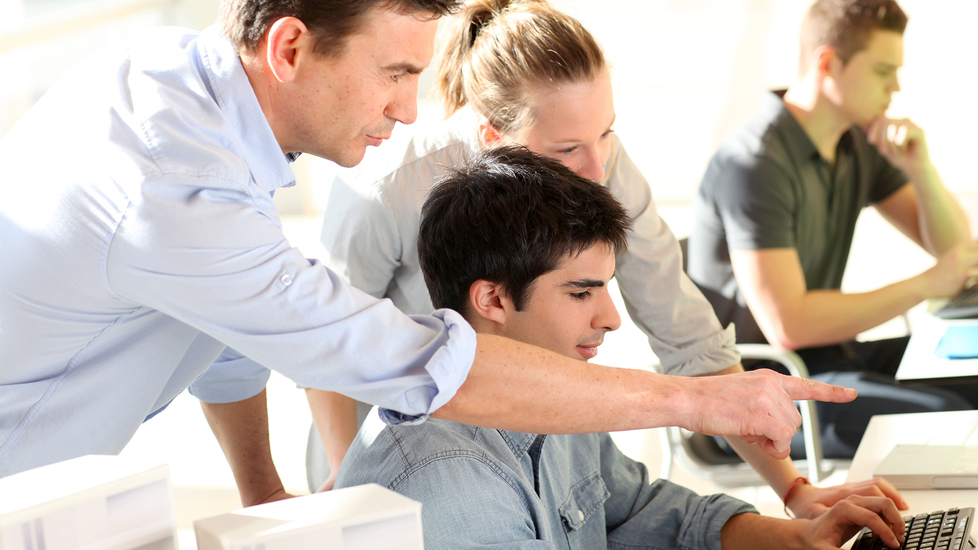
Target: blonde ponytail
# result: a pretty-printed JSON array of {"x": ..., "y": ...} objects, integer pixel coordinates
[{"x": 493, "y": 51}]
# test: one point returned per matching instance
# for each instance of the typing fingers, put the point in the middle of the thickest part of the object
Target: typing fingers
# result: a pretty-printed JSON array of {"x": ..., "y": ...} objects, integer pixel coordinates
[{"x": 880, "y": 515}]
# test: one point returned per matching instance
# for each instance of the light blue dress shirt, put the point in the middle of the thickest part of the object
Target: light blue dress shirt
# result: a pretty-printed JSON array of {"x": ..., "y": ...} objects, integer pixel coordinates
[
  {"x": 485, "y": 488},
  {"x": 138, "y": 240}
]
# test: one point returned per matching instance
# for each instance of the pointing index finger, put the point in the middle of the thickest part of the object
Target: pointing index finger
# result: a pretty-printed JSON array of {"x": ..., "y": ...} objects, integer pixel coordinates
[{"x": 805, "y": 388}]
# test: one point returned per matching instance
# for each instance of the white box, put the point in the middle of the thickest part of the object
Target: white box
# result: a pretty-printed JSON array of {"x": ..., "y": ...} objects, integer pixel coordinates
[
  {"x": 88, "y": 503},
  {"x": 365, "y": 517}
]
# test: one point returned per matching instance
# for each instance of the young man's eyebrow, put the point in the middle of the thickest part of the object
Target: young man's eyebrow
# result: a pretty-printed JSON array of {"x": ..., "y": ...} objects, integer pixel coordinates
[
  {"x": 584, "y": 283},
  {"x": 403, "y": 68}
]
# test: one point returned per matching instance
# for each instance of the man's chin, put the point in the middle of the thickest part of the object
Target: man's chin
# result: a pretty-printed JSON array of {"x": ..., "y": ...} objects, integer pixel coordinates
[{"x": 350, "y": 159}]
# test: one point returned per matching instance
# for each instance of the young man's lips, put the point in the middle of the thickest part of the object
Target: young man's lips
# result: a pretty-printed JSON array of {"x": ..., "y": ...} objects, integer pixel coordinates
[
  {"x": 589, "y": 351},
  {"x": 375, "y": 141}
]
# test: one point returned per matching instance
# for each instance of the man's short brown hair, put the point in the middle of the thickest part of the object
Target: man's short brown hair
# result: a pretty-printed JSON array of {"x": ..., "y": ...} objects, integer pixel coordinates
[
  {"x": 245, "y": 22},
  {"x": 845, "y": 25}
]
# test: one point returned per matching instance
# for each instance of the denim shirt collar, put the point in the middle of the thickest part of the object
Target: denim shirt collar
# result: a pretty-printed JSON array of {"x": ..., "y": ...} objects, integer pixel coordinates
[
  {"x": 254, "y": 140},
  {"x": 519, "y": 443}
]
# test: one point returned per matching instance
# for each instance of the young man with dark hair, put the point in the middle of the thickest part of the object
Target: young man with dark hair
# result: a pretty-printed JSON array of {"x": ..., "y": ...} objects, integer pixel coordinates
[
  {"x": 777, "y": 209},
  {"x": 524, "y": 248},
  {"x": 152, "y": 249}
]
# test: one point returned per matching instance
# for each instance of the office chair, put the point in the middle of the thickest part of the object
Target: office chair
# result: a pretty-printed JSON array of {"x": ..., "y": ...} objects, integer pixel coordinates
[{"x": 701, "y": 455}]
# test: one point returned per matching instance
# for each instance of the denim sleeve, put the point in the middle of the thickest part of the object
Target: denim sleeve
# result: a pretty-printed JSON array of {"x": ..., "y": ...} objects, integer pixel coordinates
[
  {"x": 661, "y": 514},
  {"x": 664, "y": 303},
  {"x": 492, "y": 511}
]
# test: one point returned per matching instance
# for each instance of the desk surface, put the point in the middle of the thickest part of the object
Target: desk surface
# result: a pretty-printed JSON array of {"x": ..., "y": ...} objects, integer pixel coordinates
[
  {"x": 920, "y": 365},
  {"x": 886, "y": 431}
]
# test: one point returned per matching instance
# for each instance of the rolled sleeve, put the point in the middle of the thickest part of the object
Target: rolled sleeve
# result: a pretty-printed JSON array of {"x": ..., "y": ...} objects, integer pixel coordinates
[
  {"x": 214, "y": 257},
  {"x": 664, "y": 303},
  {"x": 233, "y": 377}
]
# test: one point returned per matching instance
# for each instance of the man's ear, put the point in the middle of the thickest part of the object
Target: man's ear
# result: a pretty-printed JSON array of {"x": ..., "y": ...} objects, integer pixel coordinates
[
  {"x": 825, "y": 61},
  {"x": 288, "y": 39},
  {"x": 488, "y": 134},
  {"x": 488, "y": 301}
]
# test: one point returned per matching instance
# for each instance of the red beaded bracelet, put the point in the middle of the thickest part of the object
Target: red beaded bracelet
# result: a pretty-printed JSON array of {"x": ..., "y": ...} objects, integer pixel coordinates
[{"x": 798, "y": 481}]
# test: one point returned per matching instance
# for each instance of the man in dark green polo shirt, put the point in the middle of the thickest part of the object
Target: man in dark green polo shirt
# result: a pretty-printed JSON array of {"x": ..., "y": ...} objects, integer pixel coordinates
[{"x": 777, "y": 209}]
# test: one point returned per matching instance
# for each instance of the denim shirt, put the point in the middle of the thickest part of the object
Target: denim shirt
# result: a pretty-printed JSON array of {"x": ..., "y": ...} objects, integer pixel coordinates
[{"x": 498, "y": 489}]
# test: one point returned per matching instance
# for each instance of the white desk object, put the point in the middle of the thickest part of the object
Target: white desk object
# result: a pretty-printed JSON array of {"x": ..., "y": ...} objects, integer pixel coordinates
[
  {"x": 943, "y": 428},
  {"x": 921, "y": 366},
  {"x": 90, "y": 502},
  {"x": 365, "y": 517}
]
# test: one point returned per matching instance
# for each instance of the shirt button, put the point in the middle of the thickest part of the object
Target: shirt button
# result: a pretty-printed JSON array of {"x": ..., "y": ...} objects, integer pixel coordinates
[
  {"x": 580, "y": 514},
  {"x": 286, "y": 279}
]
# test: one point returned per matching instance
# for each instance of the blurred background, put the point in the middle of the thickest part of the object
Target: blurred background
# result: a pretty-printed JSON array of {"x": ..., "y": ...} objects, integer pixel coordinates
[{"x": 685, "y": 72}]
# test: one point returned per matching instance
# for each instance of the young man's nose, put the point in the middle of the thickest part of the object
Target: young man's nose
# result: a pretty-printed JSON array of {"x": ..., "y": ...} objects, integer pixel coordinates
[{"x": 608, "y": 317}]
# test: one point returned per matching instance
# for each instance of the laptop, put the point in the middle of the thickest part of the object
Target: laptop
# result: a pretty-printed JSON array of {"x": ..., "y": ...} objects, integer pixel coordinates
[{"x": 931, "y": 467}]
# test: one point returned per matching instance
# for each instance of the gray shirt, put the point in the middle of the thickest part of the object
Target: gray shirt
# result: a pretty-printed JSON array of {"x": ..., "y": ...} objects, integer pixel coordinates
[
  {"x": 371, "y": 228},
  {"x": 768, "y": 187}
]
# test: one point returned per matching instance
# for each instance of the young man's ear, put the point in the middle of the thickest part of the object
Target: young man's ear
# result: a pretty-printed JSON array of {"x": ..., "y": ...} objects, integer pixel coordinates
[
  {"x": 288, "y": 40},
  {"x": 488, "y": 303},
  {"x": 825, "y": 61}
]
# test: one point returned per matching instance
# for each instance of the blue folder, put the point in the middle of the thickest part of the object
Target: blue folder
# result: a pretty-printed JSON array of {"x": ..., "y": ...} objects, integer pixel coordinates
[{"x": 958, "y": 342}]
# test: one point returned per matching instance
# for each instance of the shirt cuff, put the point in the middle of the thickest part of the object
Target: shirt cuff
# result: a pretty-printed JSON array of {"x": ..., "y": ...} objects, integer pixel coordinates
[
  {"x": 233, "y": 377},
  {"x": 394, "y": 418},
  {"x": 707, "y": 356}
]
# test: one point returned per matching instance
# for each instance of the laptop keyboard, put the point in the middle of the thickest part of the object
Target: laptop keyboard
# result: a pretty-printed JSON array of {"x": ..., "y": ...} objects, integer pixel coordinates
[
  {"x": 962, "y": 306},
  {"x": 943, "y": 530}
]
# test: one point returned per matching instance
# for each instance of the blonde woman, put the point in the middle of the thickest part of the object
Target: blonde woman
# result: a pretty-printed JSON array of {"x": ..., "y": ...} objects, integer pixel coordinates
[{"x": 523, "y": 72}]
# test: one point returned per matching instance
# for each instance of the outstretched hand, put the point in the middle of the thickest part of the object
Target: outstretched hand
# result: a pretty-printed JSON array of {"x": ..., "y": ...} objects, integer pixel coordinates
[{"x": 756, "y": 406}]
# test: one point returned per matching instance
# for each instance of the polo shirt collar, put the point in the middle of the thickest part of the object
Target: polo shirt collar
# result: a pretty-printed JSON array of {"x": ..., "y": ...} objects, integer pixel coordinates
[
  {"x": 251, "y": 134},
  {"x": 795, "y": 137}
]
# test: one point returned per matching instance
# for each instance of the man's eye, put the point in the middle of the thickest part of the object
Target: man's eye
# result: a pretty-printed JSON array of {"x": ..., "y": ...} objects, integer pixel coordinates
[{"x": 581, "y": 295}]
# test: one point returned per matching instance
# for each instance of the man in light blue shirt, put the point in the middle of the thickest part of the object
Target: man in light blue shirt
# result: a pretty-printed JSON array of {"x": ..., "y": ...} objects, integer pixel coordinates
[
  {"x": 149, "y": 248},
  {"x": 522, "y": 247}
]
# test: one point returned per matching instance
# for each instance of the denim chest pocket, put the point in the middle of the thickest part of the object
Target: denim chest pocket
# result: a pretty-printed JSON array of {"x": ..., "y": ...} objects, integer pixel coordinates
[{"x": 586, "y": 497}]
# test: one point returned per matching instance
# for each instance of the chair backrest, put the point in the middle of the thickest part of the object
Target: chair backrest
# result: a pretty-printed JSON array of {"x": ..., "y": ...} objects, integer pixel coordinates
[{"x": 701, "y": 455}]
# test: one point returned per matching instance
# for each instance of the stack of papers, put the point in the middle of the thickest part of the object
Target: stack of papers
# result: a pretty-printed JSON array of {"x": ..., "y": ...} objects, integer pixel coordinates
[
  {"x": 365, "y": 517},
  {"x": 104, "y": 502}
]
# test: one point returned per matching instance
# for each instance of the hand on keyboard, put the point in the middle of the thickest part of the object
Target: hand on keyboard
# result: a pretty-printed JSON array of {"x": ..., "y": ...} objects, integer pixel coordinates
[
  {"x": 847, "y": 517},
  {"x": 952, "y": 272},
  {"x": 942, "y": 530}
]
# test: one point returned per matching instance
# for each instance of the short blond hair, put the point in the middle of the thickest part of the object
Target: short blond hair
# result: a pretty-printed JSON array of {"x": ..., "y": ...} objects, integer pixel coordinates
[{"x": 845, "y": 26}]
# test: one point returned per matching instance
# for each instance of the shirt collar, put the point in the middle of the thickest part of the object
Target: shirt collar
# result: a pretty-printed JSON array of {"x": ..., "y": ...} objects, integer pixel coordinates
[
  {"x": 518, "y": 442},
  {"x": 796, "y": 139},
  {"x": 252, "y": 136}
]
